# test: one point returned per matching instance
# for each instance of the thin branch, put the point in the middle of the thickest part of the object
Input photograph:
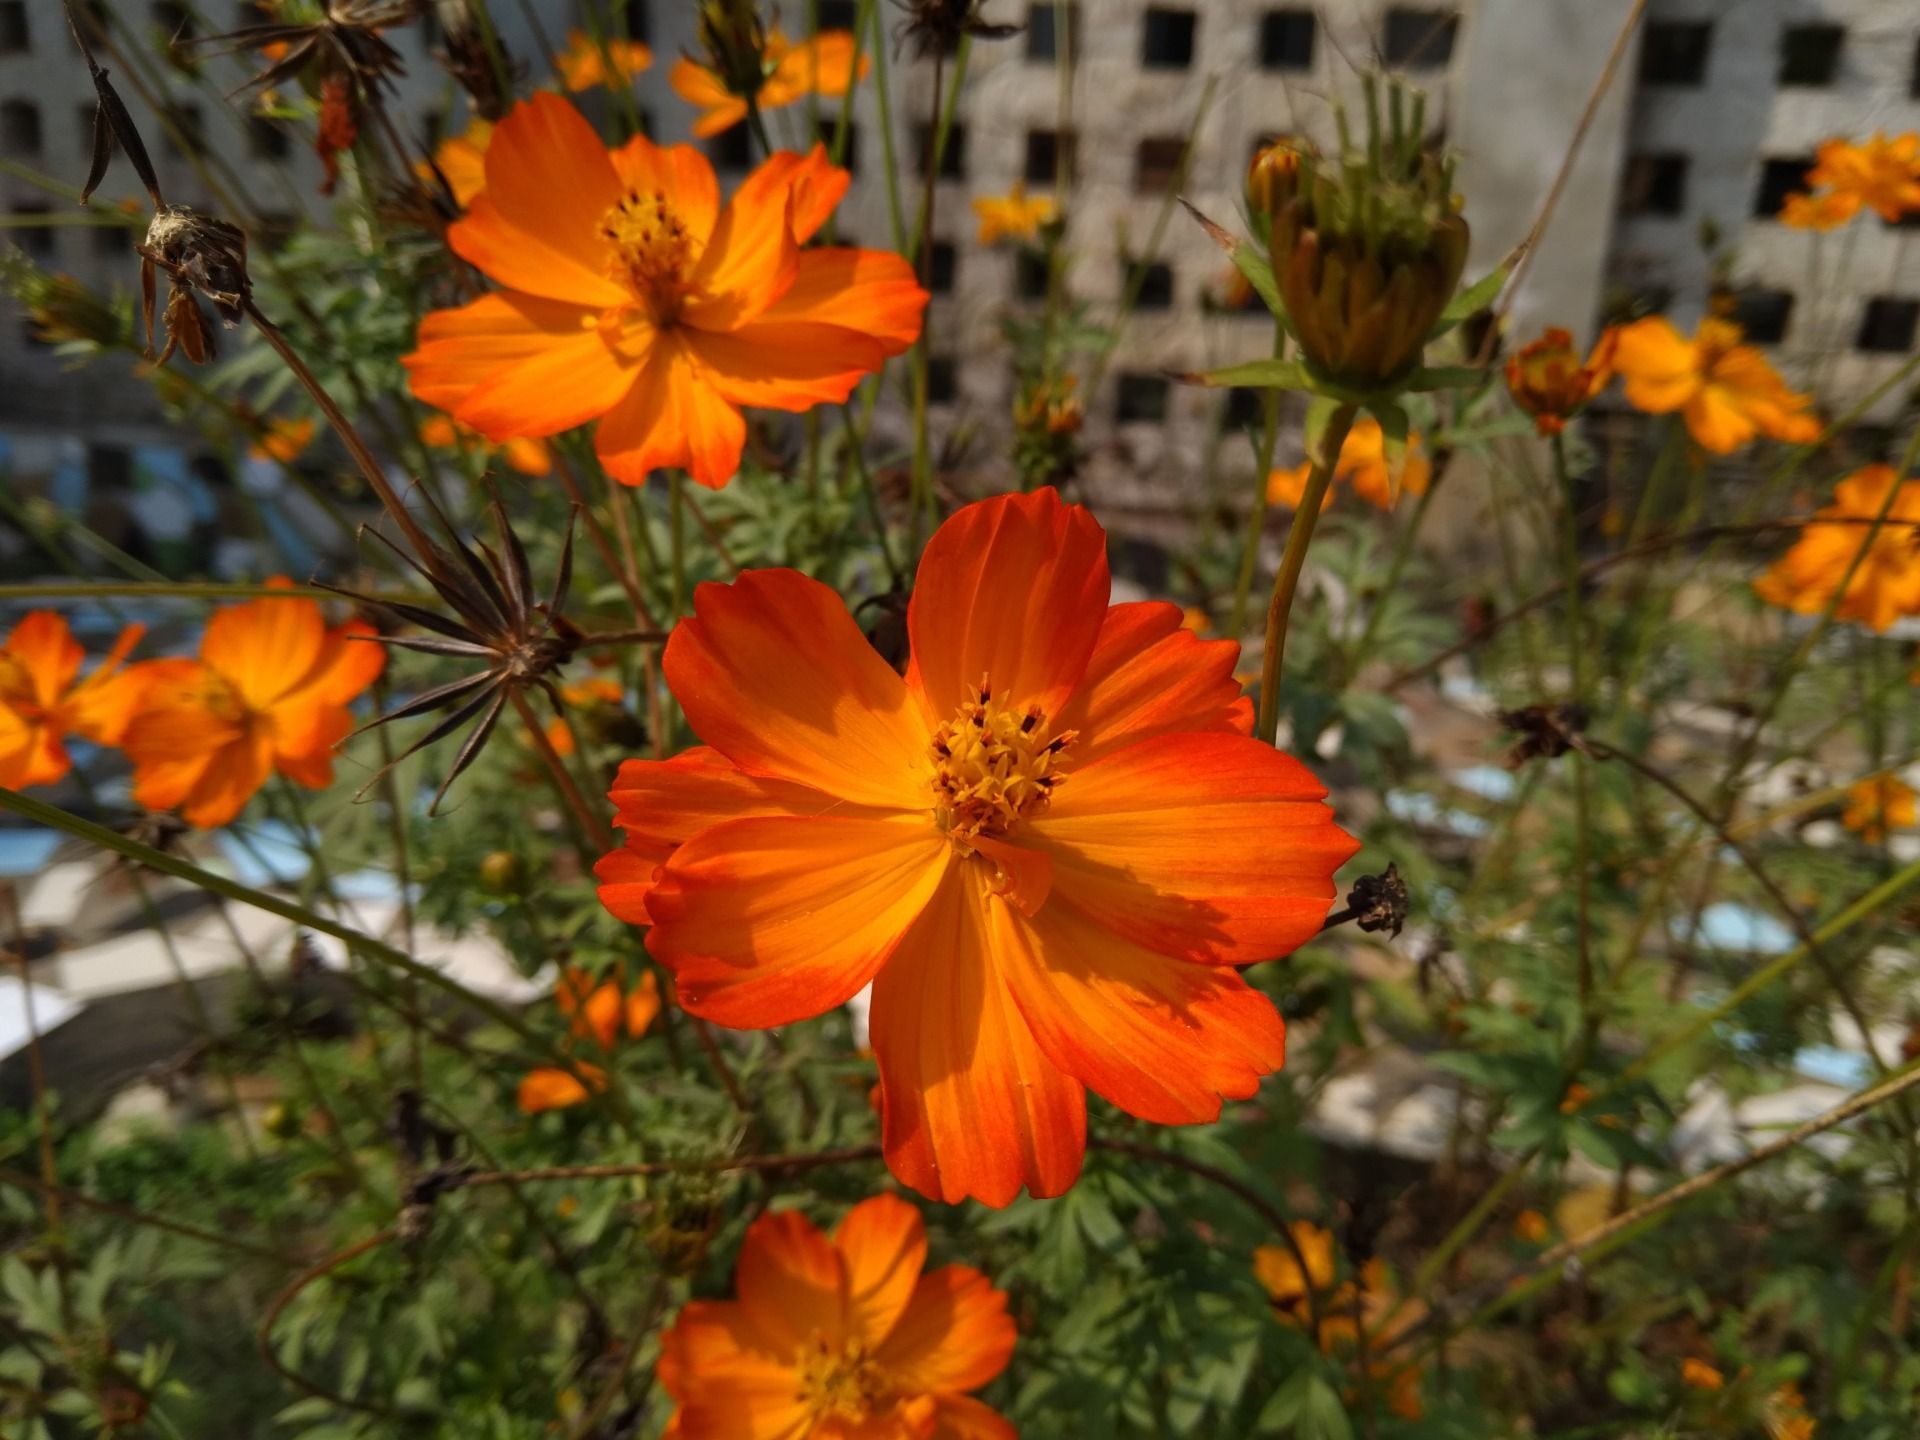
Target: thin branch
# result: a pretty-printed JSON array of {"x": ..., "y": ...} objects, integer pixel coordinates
[{"x": 287, "y": 1296}]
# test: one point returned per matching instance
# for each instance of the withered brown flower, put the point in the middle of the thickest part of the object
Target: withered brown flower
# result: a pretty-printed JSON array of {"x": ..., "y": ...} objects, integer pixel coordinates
[
  {"x": 936, "y": 27},
  {"x": 201, "y": 256}
]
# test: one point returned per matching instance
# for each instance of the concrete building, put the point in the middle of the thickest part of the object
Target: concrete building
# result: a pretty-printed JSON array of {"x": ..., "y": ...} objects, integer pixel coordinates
[{"x": 1713, "y": 114}]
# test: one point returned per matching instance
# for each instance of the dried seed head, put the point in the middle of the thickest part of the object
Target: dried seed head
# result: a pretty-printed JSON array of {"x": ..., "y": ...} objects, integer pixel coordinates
[
  {"x": 1546, "y": 731},
  {"x": 205, "y": 254},
  {"x": 936, "y": 27},
  {"x": 1379, "y": 902}
]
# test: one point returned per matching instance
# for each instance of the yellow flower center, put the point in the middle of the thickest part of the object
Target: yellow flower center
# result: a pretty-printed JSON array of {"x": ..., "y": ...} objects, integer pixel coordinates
[
  {"x": 992, "y": 765},
  {"x": 845, "y": 1384},
  {"x": 653, "y": 251}
]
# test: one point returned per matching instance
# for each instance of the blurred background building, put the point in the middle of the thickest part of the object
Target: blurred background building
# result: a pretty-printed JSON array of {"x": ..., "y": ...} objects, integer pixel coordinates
[{"x": 1671, "y": 203}]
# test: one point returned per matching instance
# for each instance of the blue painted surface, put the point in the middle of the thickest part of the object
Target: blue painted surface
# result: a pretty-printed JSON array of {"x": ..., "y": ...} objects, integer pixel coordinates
[
  {"x": 1489, "y": 781},
  {"x": 1418, "y": 809},
  {"x": 26, "y": 851},
  {"x": 1730, "y": 926}
]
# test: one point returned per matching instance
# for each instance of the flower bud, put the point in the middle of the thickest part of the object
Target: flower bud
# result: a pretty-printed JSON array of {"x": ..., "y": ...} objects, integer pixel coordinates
[
  {"x": 735, "y": 43},
  {"x": 1549, "y": 382},
  {"x": 1367, "y": 247}
]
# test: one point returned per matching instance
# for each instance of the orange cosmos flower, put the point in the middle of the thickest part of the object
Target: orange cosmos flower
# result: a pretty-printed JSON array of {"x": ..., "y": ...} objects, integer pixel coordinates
[
  {"x": 823, "y": 65},
  {"x": 283, "y": 440},
  {"x": 634, "y": 299},
  {"x": 1363, "y": 462},
  {"x": 1826, "y": 211},
  {"x": 43, "y": 700},
  {"x": 526, "y": 456},
  {"x": 1886, "y": 581},
  {"x": 594, "y": 1012},
  {"x": 1299, "y": 1295},
  {"x": 1880, "y": 174},
  {"x": 1785, "y": 1415},
  {"x": 1726, "y": 390},
  {"x": 1012, "y": 214},
  {"x": 269, "y": 692},
  {"x": 1047, "y": 847},
  {"x": 1699, "y": 1375},
  {"x": 1547, "y": 379},
  {"x": 462, "y": 161},
  {"x": 843, "y": 1337},
  {"x": 1879, "y": 805},
  {"x": 587, "y": 62}
]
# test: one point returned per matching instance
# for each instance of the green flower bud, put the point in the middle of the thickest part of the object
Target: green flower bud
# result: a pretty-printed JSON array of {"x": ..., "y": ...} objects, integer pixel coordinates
[{"x": 1367, "y": 247}]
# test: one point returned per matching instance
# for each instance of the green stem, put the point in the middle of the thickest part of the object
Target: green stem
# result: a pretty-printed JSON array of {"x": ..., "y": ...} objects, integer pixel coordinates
[
  {"x": 1299, "y": 537},
  {"x": 1576, "y": 670}
]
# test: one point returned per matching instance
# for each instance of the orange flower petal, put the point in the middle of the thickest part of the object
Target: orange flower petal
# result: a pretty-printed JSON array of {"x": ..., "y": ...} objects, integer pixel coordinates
[
  {"x": 303, "y": 745},
  {"x": 969, "y": 1105},
  {"x": 954, "y": 1335},
  {"x": 769, "y": 921},
  {"x": 459, "y": 350},
  {"x": 1163, "y": 1039},
  {"x": 600, "y": 1016},
  {"x": 785, "y": 366},
  {"x": 549, "y": 187},
  {"x": 871, "y": 291},
  {"x": 751, "y": 258},
  {"x": 883, "y": 1244},
  {"x": 671, "y": 417},
  {"x": 45, "y": 650},
  {"x": 553, "y": 1089},
  {"x": 961, "y": 1417},
  {"x": 661, "y": 804},
  {"x": 697, "y": 85},
  {"x": 681, "y": 173},
  {"x": 823, "y": 66},
  {"x": 792, "y": 1283},
  {"x": 568, "y": 380},
  {"x": 265, "y": 648},
  {"x": 842, "y": 722},
  {"x": 726, "y": 1378},
  {"x": 1150, "y": 675},
  {"x": 1012, "y": 591},
  {"x": 643, "y": 1004},
  {"x": 1210, "y": 847}
]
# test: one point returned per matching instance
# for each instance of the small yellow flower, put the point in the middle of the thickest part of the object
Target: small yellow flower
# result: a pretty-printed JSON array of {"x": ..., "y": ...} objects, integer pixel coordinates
[{"x": 1012, "y": 214}]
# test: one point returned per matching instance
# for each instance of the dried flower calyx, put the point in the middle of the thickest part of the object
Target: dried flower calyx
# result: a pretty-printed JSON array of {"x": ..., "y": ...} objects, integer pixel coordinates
[
  {"x": 1546, "y": 731},
  {"x": 516, "y": 639},
  {"x": 1379, "y": 902}
]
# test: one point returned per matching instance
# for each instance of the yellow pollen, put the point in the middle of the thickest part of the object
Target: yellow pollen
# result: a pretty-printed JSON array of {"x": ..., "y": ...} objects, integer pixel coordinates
[
  {"x": 992, "y": 765},
  {"x": 653, "y": 252},
  {"x": 845, "y": 1384}
]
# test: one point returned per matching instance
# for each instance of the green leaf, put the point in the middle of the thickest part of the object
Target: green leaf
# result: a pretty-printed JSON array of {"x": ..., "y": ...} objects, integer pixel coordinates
[
  {"x": 1324, "y": 1416},
  {"x": 1247, "y": 259},
  {"x": 1284, "y": 1406},
  {"x": 1256, "y": 375},
  {"x": 1475, "y": 298}
]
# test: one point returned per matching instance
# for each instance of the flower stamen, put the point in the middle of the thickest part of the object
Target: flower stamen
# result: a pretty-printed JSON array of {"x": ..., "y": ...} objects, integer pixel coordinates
[
  {"x": 653, "y": 251},
  {"x": 993, "y": 765}
]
